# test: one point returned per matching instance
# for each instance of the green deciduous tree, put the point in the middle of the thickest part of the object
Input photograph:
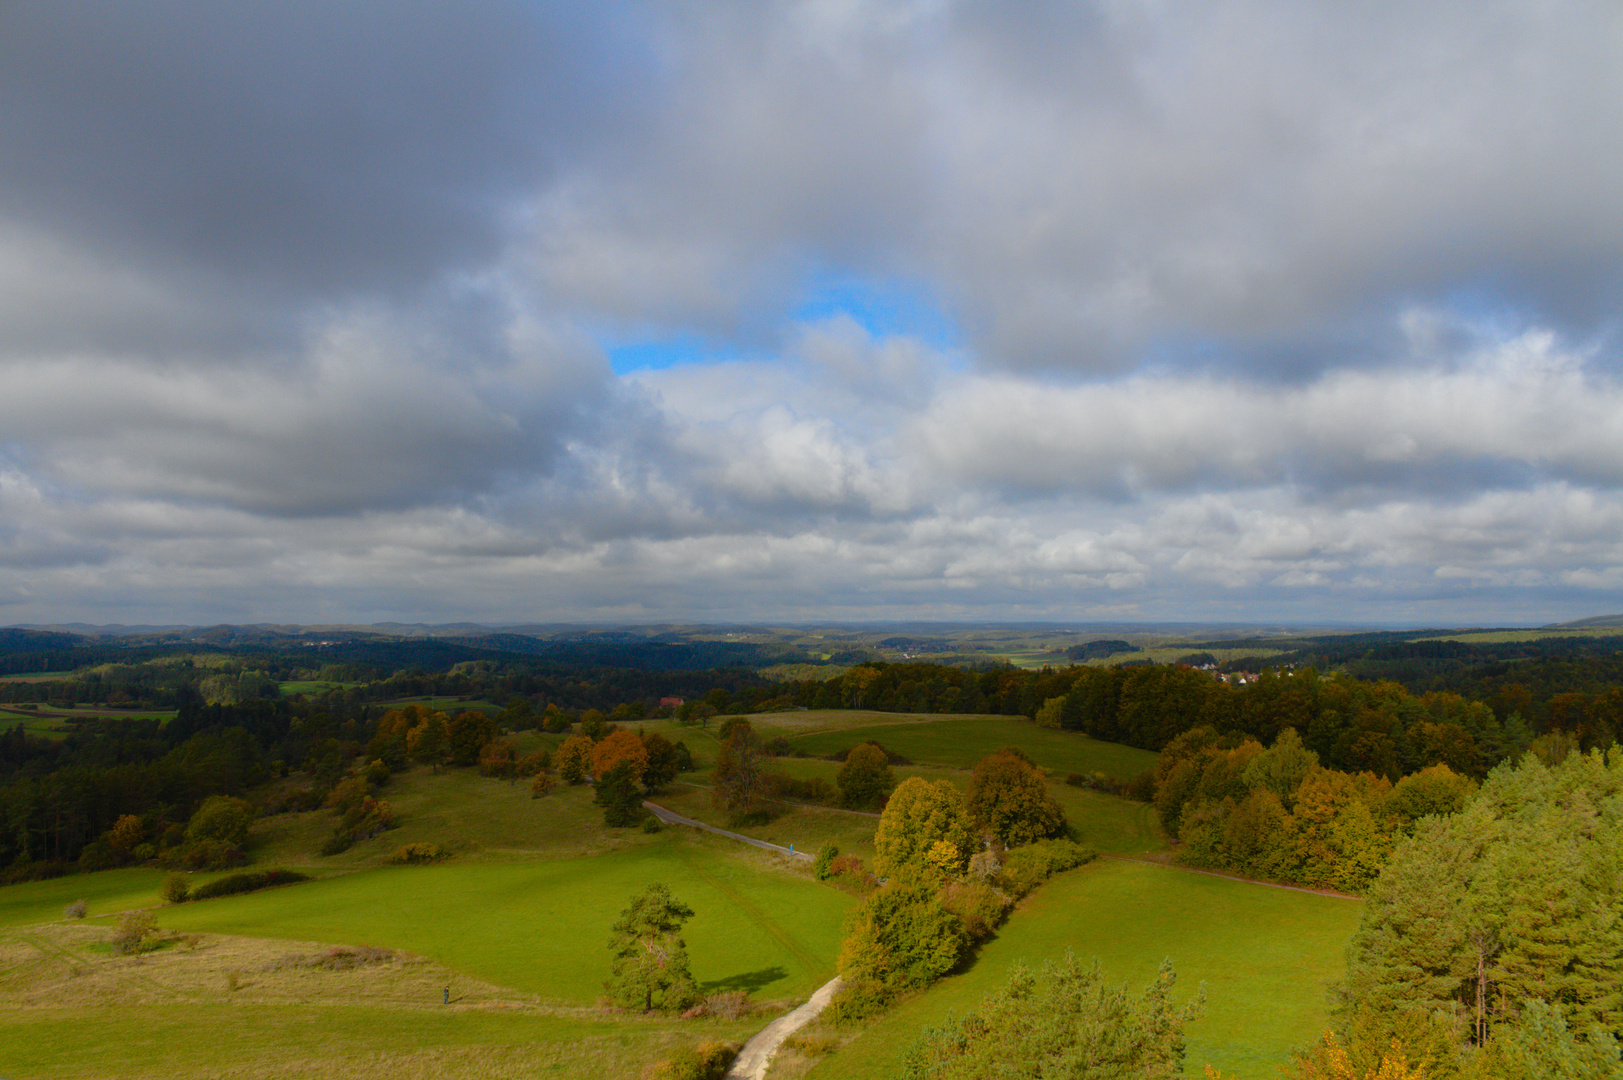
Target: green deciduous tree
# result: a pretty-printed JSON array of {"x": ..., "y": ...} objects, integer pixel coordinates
[
  {"x": 865, "y": 777},
  {"x": 1008, "y": 798},
  {"x": 221, "y": 818},
  {"x": 1061, "y": 1023},
  {"x": 901, "y": 938},
  {"x": 919, "y": 814},
  {"x": 574, "y": 759},
  {"x": 737, "y": 782},
  {"x": 650, "y": 966}
]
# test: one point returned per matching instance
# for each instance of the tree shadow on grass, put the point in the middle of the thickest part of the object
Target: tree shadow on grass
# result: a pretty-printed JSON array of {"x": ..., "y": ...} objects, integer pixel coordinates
[{"x": 749, "y": 980}]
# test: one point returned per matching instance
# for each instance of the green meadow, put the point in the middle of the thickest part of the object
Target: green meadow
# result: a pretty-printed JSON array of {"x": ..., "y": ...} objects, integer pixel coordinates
[
  {"x": 1265, "y": 955},
  {"x": 960, "y": 742},
  {"x": 516, "y": 922},
  {"x": 542, "y": 926}
]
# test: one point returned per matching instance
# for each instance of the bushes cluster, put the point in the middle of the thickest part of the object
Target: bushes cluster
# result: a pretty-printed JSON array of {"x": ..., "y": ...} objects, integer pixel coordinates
[
  {"x": 361, "y": 814},
  {"x": 249, "y": 882},
  {"x": 136, "y": 932},
  {"x": 811, "y": 790},
  {"x": 707, "y": 1061},
  {"x": 1028, "y": 867},
  {"x": 418, "y": 854}
]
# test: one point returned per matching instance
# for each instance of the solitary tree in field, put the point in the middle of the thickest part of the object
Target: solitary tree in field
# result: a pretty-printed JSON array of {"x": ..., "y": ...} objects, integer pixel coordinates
[
  {"x": 865, "y": 778},
  {"x": 650, "y": 957}
]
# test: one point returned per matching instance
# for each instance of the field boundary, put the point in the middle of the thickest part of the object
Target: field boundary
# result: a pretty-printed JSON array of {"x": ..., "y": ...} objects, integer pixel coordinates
[
  {"x": 1232, "y": 877},
  {"x": 671, "y": 817}
]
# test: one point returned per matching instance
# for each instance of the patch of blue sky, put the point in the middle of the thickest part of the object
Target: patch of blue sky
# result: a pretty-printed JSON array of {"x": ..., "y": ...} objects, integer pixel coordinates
[
  {"x": 882, "y": 308},
  {"x": 657, "y": 354}
]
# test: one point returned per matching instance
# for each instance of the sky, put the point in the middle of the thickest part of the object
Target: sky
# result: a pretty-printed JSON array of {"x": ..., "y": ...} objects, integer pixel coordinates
[{"x": 811, "y": 310}]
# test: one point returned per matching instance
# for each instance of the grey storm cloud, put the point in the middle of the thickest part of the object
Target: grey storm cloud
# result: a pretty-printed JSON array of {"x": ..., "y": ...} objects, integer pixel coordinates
[{"x": 1254, "y": 309}]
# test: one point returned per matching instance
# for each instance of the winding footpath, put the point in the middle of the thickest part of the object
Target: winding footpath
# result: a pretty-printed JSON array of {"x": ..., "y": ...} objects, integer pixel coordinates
[{"x": 752, "y": 1061}]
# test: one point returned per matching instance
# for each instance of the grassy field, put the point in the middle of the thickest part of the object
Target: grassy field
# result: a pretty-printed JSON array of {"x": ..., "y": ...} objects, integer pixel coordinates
[
  {"x": 253, "y": 1008},
  {"x": 959, "y": 742},
  {"x": 540, "y": 926},
  {"x": 1266, "y": 956},
  {"x": 475, "y": 817},
  {"x": 103, "y": 893}
]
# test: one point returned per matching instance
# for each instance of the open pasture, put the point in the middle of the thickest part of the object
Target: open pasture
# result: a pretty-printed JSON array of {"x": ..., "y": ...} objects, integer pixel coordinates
[
  {"x": 542, "y": 926},
  {"x": 1266, "y": 956},
  {"x": 105, "y": 893},
  {"x": 958, "y": 742},
  {"x": 250, "y": 1008}
]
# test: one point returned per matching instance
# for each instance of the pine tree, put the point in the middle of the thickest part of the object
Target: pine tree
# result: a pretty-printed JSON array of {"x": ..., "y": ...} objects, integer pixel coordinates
[{"x": 650, "y": 957}]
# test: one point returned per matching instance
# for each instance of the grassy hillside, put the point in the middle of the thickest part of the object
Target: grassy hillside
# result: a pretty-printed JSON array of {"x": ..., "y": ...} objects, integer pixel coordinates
[
  {"x": 959, "y": 742},
  {"x": 541, "y": 926},
  {"x": 1264, "y": 954},
  {"x": 256, "y": 1009}
]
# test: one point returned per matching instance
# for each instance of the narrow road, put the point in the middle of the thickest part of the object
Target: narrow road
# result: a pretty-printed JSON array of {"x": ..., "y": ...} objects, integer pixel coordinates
[
  {"x": 671, "y": 817},
  {"x": 752, "y": 1061}
]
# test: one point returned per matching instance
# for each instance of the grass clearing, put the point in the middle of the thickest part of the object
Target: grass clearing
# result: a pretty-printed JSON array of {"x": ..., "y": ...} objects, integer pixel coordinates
[
  {"x": 105, "y": 893},
  {"x": 222, "y": 1005},
  {"x": 1266, "y": 956},
  {"x": 541, "y": 926},
  {"x": 959, "y": 742}
]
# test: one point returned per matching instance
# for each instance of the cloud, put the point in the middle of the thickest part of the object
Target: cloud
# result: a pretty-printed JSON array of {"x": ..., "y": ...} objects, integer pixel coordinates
[{"x": 1243, "y": 312}]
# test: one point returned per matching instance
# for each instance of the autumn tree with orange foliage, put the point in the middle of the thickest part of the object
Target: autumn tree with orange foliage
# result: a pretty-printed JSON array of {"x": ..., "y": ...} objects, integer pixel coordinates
[{"x": 620, "y": 747}]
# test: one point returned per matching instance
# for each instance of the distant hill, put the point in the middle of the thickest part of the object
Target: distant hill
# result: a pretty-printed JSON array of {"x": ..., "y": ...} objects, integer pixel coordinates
[{"x": 1598, "y": 622}]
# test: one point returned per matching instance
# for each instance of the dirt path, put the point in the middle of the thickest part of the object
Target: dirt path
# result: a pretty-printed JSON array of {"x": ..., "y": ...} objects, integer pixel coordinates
[
  {"x": 671, "y": 817},
  {"x": 752, "y": 1061}
]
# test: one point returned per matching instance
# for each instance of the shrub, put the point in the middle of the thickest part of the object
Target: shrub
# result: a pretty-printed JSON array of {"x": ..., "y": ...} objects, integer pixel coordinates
[
  {"x": 813, "y": 790},
  {"x": 978, "y": 906},
  {"x": 75, "y": 910},
  {"x": 822, "y": 865},
  {"x": 651, "y": 824},
  {"x": 1026, "y": 868},
  {"x": 901, "y": 938},
  {"x": 707, "y": 1061},
  {"x": 729, "y": 1004},
  {"x": 221, "y": 818},
  {"x": 250, "y": 882},
  {"x": 377, "y": 773},
  {"x": 136, "y": 933},
  {"x": 542, "y": 785},
  {"x": 175, "y": 889},
  {"x": 204, "y": 855},
  {"x": 534, "y": 764},
  {"x": 418, "y": 854}
]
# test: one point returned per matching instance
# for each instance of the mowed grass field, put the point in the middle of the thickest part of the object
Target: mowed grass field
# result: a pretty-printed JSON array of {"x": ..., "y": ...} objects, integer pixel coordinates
[
  {"x": 522, "y": 947},
  {"x": 959, "y": 742},
  {"x": 1266, "y": 956},
  {"x": 542, "y": 926}
]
